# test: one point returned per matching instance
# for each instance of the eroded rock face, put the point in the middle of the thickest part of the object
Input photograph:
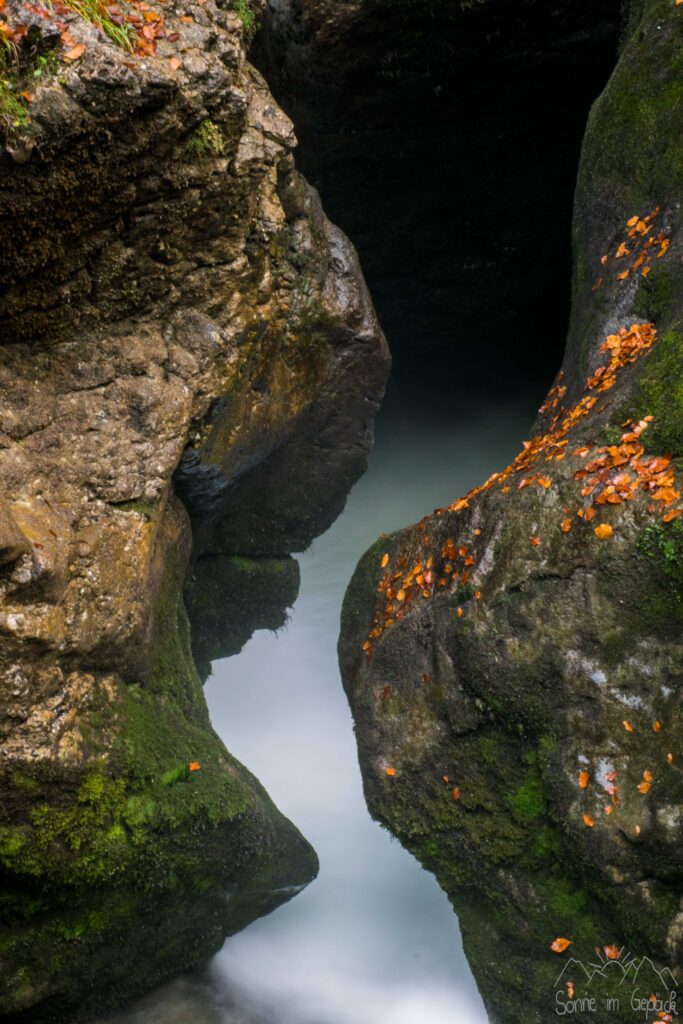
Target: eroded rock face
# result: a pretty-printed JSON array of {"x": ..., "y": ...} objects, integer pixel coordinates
[
  {"x": 514, "y": 661},
  {"x": 172, "y": 294}
]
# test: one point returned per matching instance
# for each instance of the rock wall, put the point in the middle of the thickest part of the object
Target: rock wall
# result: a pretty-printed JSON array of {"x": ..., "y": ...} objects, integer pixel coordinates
[
  {"x": 177, "y": 317},
  {"x": 513, "y": 661}
]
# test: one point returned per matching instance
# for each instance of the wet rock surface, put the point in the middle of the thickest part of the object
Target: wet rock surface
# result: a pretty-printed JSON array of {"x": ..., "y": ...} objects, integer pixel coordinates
[
  {"x": 513, "y": 662},
  {"x": 176, "y": 314}
]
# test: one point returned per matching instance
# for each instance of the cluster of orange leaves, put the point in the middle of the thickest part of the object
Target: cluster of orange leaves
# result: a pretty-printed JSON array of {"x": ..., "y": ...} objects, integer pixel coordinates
[
  {"x": 615, "y": 473},
  {"x": 639, "y": 246},
  {"x": 144, "y": 24}
]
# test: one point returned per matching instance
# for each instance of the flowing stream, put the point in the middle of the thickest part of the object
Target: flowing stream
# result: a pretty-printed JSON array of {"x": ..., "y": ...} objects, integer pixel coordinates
[{"x": 373, "y": 940}]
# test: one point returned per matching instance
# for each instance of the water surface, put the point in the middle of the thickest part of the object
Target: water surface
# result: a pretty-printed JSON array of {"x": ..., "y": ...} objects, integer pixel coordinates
[{"x": 373, "y": 940}]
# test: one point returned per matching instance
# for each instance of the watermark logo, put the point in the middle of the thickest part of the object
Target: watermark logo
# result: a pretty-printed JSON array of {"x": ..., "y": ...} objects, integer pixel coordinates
[{"x": 616, "y": 981}]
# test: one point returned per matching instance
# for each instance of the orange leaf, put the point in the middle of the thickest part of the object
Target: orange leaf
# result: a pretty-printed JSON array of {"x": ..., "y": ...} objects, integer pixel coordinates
[
  {"x": 670, "y": 757},
  {"x": 604, "y": 531},
  {"x": 583, "y": 779},
  {"x": 456, "y": 793},
  {"x": 193, "y": 766},
  {"x": 75, "y": 52},
  {"x": 587, "y": 820},
  {"x": 612, "y": 952},
  {"x": 559, "y": 945},
  {"x": 385, "y": 561},
  {"x": 675, "y": 512},
  {"x": 535, "y": 541},
  {"x": 566, "y": 525},
  {"x": 459, "y": 613},
  {"x": 644, "y": 787},
  {"x": 608, "y": 809},
  {"x": 627, "y": 726},
  {"x": 401, "y": 596},
  {"x": 390, "y": 771},
  {"x": 657, "y": 725}
]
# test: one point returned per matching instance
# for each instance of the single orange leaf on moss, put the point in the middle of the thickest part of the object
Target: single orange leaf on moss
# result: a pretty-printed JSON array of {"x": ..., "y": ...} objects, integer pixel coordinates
[
  {"x": 644, "y": 787},
  {"x": 559, "y": 944},
  {"x": 674, "y": 512},
  {"x": 587, "y": 820},
  {"x": 657, "y": 725},
  {"x": 445, "y": 779},
  {"x": 647, "y": 775},
  {"x": 535, "y": 541},
  {"x": 401, "y": 596},
  {"x": 456, "y": 792},
  {"x": 670, "y": 757},
  {"x": 566, "y": 525},
  {"x": 459, "y": 613},
  {"x": 385, "y": 561},
  {"x": 608, "y": 809},
  {"x": 627, "y": 726},
  {"x": 390, "y": 771},
  {"x": 193, "y": 766},
  {"x": 632, "y": 222},
  {"x": 604, "y": 531},
  {"x": 589, "y": 514},
  {"x": 583, "y": 779},
  {"x": 612, "y": 952}
]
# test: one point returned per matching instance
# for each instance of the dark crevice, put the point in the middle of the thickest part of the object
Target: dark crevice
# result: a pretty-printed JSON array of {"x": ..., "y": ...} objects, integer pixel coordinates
[{"x": 446, "y": 146}]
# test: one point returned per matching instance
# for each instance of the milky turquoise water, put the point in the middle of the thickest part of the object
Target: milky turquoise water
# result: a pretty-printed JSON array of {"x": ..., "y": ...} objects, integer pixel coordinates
[{"x": 373, "y": 940}]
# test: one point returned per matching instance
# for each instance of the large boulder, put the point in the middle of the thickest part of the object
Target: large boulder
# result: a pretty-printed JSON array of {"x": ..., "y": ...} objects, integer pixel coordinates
[
  {"x": 176, "y": 314},
  {"x": 514, "y": 661}
]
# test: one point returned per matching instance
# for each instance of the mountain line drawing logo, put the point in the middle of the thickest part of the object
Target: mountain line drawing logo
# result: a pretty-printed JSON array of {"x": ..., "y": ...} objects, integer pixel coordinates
[{"x": 618, "y": 981}]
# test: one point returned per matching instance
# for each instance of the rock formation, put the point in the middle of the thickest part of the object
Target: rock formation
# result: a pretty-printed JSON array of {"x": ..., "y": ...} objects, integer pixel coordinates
[
  {"x": 178, "y": 320},
  {"x": 513, "y": 661}
]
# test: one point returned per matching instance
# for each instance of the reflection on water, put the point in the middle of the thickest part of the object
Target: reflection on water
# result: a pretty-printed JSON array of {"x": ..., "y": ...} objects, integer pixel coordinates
[{"x": 373, "y": 940}]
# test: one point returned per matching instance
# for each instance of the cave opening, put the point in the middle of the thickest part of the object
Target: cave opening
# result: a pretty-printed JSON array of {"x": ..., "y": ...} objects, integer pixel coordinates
[{"x": 445, "y": 142}]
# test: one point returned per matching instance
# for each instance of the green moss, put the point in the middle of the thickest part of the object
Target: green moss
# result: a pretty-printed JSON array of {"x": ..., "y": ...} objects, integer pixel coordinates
[
  {"x": 660, "y": 394},
  {"x": 247, "y": 17},
  {"x": 528, "y": 801},
  {"x": 206, "y": 140},
  {"x": 663, "y": 545},
  {"x": 143, "y": 507}
]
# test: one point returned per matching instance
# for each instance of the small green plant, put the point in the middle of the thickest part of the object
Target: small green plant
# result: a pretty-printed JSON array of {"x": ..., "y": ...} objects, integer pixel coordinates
[
  {"x": 13, "y": 108},
  {"x": 247, "y": 17},
  {"x": 46, "y": 64},
  {"x": 206, "y": 139},
  {"x": 96, "y": 14}
]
